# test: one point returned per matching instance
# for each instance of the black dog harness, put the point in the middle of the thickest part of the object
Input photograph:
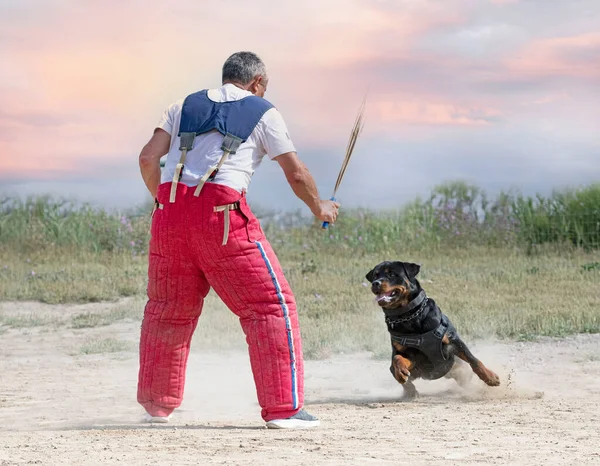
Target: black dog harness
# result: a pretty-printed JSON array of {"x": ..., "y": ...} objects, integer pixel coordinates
[{"x": 429, "y": 343}]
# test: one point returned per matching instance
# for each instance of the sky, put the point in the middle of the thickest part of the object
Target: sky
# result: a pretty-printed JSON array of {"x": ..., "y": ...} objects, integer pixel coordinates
[{"x": 504, "y": 94}]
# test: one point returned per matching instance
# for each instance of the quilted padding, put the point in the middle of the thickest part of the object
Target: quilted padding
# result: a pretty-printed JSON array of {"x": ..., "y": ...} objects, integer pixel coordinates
[{"x": 186, "y": 259}]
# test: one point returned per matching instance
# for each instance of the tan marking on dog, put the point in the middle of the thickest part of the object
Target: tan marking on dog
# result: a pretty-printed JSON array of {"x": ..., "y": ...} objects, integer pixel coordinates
[
  {"x": 402, "y": 292},
  {"x": 488, "y": 376},
  {"x": 398, "y": 346},
  {"x": 402, "y": 368}
]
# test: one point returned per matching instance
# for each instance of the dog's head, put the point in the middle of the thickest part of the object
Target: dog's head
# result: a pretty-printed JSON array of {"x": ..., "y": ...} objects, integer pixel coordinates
[{"x": 394, "y": 283}]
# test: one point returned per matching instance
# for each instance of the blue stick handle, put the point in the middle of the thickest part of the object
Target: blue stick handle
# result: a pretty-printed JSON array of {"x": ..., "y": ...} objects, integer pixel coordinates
[{"x": 326, "y": 224}]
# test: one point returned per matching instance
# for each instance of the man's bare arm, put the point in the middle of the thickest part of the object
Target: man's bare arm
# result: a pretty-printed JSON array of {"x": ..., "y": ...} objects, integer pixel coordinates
[
  {"x": 150, "y": 158},
  {"x": 303, "y": 185}
]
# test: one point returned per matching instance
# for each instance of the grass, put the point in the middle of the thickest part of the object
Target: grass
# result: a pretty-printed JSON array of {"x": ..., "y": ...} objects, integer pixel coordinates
[
  {"x": 108, "y": 345},
  {"x": 27, "y": 320},
  {"x": 497, "y": 293},
  {"x": 490, "y": 282},
  {"x": 57, "y": 274},
  {"x": 99, "y": 319}
]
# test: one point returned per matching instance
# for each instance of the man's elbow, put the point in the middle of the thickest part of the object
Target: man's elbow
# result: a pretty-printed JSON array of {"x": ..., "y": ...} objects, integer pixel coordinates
[
  {"x": 146, "y": 159},
  {"x": 296, "y": 177}
]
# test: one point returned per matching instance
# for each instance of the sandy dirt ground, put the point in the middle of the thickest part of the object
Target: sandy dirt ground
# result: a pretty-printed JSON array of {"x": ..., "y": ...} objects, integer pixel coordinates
[{"x": 59, "y": 406}]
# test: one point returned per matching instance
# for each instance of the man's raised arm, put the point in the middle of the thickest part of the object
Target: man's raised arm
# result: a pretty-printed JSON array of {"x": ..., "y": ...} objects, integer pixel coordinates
[{"x": 304, "y": 187}]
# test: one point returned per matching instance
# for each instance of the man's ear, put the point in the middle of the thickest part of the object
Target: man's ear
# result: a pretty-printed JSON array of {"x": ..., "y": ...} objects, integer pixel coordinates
[
  {"x": 371, "y": 275},
  {"x": 412, "y": 270}
]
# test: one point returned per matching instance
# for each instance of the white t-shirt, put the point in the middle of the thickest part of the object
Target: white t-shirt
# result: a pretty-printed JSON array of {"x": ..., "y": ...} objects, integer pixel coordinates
[{"x": 270, "y": 137}]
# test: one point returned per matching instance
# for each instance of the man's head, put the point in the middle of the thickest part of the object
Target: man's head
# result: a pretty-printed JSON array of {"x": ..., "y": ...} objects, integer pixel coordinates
[{"x": 246, "y": 70}]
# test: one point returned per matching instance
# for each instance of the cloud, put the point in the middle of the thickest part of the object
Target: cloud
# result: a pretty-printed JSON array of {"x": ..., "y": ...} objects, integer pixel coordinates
[
  {"x": 418, "y": 112},
  {"x": 85, "y": 82},
  {"x": 575, "y": 56}
]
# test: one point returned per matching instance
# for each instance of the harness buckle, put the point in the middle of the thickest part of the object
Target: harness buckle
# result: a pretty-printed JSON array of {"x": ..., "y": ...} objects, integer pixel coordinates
[
  {"x": 231, "y": 143},
  {"x": 186, "y": 141}
]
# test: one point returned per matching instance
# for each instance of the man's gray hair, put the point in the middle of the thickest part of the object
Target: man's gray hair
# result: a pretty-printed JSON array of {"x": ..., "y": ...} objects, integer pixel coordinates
[{"x": 243, "y": 67}]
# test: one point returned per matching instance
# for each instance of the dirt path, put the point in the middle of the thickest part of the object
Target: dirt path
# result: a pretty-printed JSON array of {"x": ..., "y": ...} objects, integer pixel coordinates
[{"x": 59, "y": 406}]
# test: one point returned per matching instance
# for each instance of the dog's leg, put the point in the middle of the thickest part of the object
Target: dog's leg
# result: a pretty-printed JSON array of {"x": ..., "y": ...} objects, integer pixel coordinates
[
  {"x": 410, "y": 391},
  {"x": 478, "y": 367},
  {"x": 460, "y": 372},
  {"x": 402, "y": 368}
]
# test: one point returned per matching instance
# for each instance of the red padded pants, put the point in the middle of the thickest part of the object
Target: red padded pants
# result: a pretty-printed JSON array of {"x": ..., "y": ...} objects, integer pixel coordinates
[{"x": 186, "y": 259}]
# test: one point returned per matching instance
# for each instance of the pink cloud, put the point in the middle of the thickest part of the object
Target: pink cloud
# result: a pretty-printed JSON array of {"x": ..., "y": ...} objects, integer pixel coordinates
[
  {"x": 576, "y": 56},
  {"x": 101, "y": 77},
  {"x": 409, "y": 111}
]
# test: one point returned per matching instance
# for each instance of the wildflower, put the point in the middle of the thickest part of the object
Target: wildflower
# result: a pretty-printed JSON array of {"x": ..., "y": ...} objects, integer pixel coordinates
[
  {"x": 365, "y": 284},
  {"x": 132, "y": 243},
  {"x": 330, "y": 236},
  {"x": 360, "y": 238},
  {"x": 123, "y": 220},
  {"x": 345, "y": 237},
  {"x": 28, "y": 261},
  {"x": 318, "y": 296},
  {"x": 32, "y": 273}
]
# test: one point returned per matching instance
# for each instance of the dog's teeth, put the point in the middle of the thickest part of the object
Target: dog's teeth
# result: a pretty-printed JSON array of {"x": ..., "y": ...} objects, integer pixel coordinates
[{"x": 387, "y": 299}]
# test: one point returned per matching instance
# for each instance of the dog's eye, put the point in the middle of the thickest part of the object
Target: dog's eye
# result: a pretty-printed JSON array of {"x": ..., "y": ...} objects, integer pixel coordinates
[{"x": 392, "y": 274}]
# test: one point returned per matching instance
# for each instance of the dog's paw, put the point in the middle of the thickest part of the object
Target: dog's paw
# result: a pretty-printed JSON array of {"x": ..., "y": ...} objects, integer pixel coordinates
[
  {"x": 401, "y": 372},
  {"x": 491, "y": 379}
]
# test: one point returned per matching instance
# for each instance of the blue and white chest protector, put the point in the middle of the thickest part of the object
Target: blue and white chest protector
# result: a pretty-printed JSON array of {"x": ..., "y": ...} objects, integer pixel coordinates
[{"x": 235, "y": 120}]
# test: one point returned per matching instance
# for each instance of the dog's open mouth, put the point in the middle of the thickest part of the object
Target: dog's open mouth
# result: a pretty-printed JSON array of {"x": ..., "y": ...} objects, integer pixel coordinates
[{"x": 386, "y": 297}]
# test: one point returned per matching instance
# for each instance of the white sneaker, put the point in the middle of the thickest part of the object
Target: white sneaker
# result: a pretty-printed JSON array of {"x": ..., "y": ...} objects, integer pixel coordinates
[
  {"x": 148, "y": 418},
  {"x": 300, "y": 420}
]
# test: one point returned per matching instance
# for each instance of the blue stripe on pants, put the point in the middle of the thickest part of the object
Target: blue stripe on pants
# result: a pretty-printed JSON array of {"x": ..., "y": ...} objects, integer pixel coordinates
[{"x": 288, "y": 325}]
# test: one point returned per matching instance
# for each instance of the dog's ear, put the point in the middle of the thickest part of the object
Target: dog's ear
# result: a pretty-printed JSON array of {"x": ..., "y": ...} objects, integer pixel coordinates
[
  {"x": 412, "y": 270},
  {"x": 371, "y": 275}
]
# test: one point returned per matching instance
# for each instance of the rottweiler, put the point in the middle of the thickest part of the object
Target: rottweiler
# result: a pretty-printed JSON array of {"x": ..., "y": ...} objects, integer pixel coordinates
[{"x": 424, "y": 341}]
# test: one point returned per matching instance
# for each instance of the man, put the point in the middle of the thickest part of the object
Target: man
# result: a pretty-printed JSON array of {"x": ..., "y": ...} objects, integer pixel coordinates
[{"x": 204, "y": 235}]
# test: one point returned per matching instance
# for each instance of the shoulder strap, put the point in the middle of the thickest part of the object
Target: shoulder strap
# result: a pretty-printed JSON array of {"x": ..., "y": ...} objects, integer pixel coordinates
[{"x": 235, "y": 120}]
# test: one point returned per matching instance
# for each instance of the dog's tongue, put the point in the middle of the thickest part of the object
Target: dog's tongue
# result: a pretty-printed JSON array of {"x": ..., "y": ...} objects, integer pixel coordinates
[{"x": 387, "y": 297}]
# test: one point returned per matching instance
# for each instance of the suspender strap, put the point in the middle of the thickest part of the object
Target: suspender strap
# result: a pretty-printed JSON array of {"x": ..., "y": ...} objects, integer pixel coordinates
[
  {"x": 230, "y": 145},
  {"x": 187, "y": 143},
  {"x": 211, "y": 172}
]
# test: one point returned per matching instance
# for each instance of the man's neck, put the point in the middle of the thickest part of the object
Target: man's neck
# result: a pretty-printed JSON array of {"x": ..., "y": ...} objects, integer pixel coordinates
[{"x": 238, "y": 85}]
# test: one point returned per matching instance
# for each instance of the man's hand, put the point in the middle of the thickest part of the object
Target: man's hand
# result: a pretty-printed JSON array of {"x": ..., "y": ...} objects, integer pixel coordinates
[
  {"x": 150, "y": 156},
  {"x": 328, "y": 211},
  {"x": 305, "y": 188}
]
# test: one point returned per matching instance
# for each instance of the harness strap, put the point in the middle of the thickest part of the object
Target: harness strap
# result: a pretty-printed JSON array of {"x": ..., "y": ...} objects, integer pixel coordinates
[
  {"x": 408, "y": 340},
  {"x": 226, "y": 208},
  {"x": 230, "y": 145},
  {"x": 211, "y": 172},
  {"x": 441, "y": 329},
  {"x": 419, "y": 340},
  {"x": 186, "y": 144}
]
